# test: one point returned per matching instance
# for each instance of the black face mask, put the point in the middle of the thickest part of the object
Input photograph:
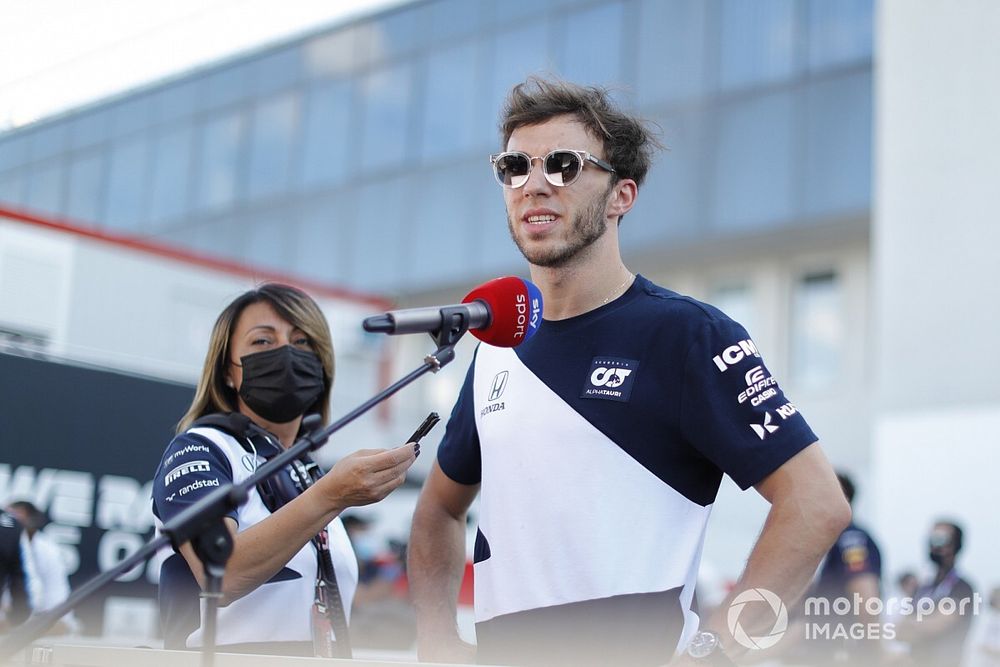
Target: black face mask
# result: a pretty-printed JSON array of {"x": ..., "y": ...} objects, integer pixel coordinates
[{"x": 281, "y": 384}]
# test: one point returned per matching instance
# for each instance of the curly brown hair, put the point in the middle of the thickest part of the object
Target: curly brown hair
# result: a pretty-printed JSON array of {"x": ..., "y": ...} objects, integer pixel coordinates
[{"x": 628, "y": 141}]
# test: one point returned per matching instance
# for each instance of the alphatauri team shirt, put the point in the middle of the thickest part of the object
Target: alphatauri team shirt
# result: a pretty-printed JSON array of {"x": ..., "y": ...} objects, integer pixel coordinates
[{"x": 600, "y": 444}]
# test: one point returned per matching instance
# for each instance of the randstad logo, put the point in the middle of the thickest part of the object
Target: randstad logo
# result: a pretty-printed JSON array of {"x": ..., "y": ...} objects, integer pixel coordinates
[
  {"x": 780, "y": 619},
  {"x": 499, "y": 384}
]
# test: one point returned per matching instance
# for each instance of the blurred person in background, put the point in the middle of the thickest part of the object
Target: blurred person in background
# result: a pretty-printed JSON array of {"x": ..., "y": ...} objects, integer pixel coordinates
[
  {"x": 851, "y": 570},
  {"x": 988, "y": 647},
  {"x": 382, "y": 616},
  {"x": 939, "y": 638},
  {"x": 13, "y": 580},
  {"x": 598, "y": 466},
  {"x": 289, "y": 583},
  {"x": 48, "y": 579},
  {"x": 908, "y": 584}
]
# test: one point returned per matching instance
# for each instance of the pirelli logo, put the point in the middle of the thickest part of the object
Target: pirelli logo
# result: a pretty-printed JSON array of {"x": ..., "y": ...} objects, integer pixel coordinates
[{"x": 186, "y": 469}]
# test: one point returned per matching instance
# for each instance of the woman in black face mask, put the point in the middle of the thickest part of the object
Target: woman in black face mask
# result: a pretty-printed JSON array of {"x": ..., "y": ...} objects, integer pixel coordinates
[{"x": 270, "y": 362}]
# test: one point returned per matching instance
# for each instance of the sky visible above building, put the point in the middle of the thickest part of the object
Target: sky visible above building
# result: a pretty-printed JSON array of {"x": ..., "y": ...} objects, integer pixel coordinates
[{"x": 59, "y": 54}]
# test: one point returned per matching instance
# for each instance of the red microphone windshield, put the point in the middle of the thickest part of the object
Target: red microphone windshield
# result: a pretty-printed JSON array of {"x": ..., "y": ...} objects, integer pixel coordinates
[{"x": 515, "y": 310}]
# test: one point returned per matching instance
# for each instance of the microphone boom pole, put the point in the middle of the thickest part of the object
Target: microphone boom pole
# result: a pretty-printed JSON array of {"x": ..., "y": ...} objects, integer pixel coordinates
[{"x": 202, "y": 520}]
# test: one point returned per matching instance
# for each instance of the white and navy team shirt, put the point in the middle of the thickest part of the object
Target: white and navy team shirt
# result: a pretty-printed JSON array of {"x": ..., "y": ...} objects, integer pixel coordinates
[
  {"x": 600, "y": 444},
  {"x": 194, "y": 464}
]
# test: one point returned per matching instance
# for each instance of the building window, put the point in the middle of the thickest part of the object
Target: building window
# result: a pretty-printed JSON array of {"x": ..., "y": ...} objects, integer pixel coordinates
[
  {"x": 736, "y": 301},
  {"x": 587, "y": 58},
  {"x": 758, "y": 42},
  {"x": 326, "y": 152},
  {"x": 83, "y": 198},
  {"x": 817, "y": 329},
  {"x": 386, "y": 113},
  {"x": 452, "y": 121},
  {"x": 275, "y": 129},
  {"x": 219, "y": 158},
  {"x": 171, "y": 174},
  {"x": 126, "y": 185}
]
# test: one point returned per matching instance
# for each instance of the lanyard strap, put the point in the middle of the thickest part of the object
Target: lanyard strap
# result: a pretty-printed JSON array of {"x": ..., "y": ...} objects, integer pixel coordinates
[{"x": 328, "y": 601}]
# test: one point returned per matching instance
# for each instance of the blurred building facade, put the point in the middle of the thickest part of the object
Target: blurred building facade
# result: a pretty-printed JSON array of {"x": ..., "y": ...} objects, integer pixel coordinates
[{"x": 357, "y": 156}]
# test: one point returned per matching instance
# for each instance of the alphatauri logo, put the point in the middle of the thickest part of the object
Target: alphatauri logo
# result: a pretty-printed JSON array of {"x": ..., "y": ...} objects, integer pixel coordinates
[{"x": 610, "y": 378}]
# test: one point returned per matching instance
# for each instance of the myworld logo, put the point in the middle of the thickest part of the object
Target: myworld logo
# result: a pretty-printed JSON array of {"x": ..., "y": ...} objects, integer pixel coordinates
[{"x": 780, "y": 618}]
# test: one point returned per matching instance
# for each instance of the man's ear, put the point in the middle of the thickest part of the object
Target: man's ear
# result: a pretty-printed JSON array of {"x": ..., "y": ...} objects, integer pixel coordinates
[{"x": 622, "y": 198}]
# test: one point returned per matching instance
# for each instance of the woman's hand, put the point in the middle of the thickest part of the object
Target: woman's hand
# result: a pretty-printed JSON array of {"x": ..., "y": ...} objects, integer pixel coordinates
[{"x": 367, "y": 476}]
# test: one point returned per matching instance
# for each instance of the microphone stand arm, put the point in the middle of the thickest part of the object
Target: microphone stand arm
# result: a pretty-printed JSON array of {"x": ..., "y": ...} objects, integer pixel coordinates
[{"x": 202, "y": 523}]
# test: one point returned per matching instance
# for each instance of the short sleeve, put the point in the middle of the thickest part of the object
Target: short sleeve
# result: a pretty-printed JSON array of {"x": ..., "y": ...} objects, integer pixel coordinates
[
  {"x": 191, "y": 468},
  {"x": 458, "y": 454},
  {"x": 732, "y": 409},
  {"x": 858, "y": 553}
]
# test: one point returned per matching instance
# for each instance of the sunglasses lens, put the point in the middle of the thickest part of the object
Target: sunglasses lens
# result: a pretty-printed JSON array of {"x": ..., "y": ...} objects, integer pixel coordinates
[
  {"x": 512, "y": 169},
  {"x": 562, "y": 167}
]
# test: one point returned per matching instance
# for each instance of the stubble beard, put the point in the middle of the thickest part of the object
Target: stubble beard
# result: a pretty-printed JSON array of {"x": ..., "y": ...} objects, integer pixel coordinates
[{"x": 588, "y": 226}]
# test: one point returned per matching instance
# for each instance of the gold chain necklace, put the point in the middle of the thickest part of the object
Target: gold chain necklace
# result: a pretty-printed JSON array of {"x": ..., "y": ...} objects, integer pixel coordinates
[{"x": 618, "y": 289}]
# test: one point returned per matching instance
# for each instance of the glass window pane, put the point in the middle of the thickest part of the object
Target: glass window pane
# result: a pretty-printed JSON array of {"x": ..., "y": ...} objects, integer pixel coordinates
[
  {"x": 519, "y": 9},
  {"x": 671, "y": 63},
  {"x": 126, "y": 193},
  {"x": 592, "y": 47},
  {"x": 326, "y": 148},
  {"x": 89, "y": 128},
  {"x": 754, "y": 172},
  {"x": 838, "y": 145},
  {"x": 386, "y": 103},
  {"x": 817, "y": 330},
  {"x": 839, "y": 32},
  {"x": 331, "y": 54},
  {"x": 380, "y": 235},
  {"x": 393, "y": 35},
  {"x": 267, "y": 239},
  {"x": 218, "y": 161},
  {"x": 13, "y": 151},
  {"x": 45, "y": 187},
  {"x": 177, "y": 100},
  {"x": 171, "y": 186},
  {"x": 452, "y": 121},
  {"x": 225, "y": 86},
  {"x": 434, "y": 236},
  {"x": 758, "y": 41},
  {"x": 220, "y": 237},
  {"x": 12, "y": 188},
  {"x": 277, "y": 70},
  {"x": 451, "y": 19},
  {"x": 736, "y": 301},
  {"x": 48, "y": 141},
  {"x": 83, "y": 199},
  {"x": 322, "y": 246},
  {"x": 669, "y": 202},
  {"x": 513, "y": 61},
  {"x": 131, "y": 115},
  {"x": 275, "y": 126}
]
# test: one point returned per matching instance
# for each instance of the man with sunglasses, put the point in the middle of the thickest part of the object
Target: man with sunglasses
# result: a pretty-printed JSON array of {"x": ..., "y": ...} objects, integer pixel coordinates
[{"x": 599, "y": 445}]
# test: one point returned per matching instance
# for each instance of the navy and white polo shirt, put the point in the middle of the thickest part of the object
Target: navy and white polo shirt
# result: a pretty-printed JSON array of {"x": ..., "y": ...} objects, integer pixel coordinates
[
  {"x": 195, "y": 463},
  {"x": 600, "y": 444}
]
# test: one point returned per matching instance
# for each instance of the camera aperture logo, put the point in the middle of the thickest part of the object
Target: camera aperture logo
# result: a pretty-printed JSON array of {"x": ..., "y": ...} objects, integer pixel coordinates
[{"x": 780, "y": 618}]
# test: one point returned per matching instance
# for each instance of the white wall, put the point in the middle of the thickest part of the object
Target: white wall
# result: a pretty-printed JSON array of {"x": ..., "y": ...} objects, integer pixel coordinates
[{"x": 936, "y": 234}]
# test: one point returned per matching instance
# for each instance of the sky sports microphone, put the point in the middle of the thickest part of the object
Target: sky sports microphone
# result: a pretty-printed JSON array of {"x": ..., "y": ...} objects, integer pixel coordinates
[{"x": 504, "y": 312}]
